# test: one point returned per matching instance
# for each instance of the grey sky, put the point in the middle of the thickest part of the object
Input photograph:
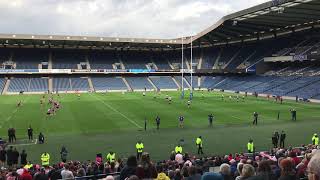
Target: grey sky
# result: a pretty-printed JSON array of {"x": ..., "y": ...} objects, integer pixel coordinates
[{"x": 115, "y": 18}]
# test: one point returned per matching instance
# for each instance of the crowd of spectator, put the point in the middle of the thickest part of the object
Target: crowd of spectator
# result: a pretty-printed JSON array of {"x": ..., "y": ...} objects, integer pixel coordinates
[{"x": 277, "y": 164}]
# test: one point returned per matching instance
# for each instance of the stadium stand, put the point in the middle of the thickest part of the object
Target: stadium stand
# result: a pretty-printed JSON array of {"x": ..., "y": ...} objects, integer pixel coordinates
[
  {"x": 273, "y": 164},
  {"x": 138, "y": 83},
  {"x": 108, "y": 83},
  {"x": 29, "y": 58},
  {"x": 2, "y": 83},
  {"x": 135, "y": 59},
  {"x": 38, "y": 85},
  {"x": 79, "y": 84},
  {"x": 67, "y": 59},
  {"x": 102, "y": 60},
  {"x": 61, "y": 84},
  {"x": 194, "y": 81},
  {"x": 163, "y": 82},
  {"x": 19, "y": 84}
]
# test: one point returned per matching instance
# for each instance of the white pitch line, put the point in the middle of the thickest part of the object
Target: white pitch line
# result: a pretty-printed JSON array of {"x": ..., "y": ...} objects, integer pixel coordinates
[
  {"x": 112, "y": 108},
  {"x": 236, "y": 117},
  {"x": 26, "y": 144}
]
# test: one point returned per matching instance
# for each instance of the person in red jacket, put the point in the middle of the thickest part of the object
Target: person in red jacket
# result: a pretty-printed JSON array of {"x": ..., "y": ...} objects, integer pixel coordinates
[{"x": 25, "y": 175}]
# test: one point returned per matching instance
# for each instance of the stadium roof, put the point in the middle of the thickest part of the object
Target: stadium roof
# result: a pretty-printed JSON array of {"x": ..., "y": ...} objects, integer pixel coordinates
[{"x": 267, "y": 20}]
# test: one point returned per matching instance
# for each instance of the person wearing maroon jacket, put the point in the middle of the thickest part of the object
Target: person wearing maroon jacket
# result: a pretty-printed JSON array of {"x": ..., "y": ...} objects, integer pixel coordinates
[{"x": 25, "y": 175}]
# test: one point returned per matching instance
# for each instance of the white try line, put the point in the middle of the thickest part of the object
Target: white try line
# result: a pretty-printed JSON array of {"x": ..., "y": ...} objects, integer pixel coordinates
[
  {"x": 112, "y": 108},
  {"x": 25, "y": 144}
]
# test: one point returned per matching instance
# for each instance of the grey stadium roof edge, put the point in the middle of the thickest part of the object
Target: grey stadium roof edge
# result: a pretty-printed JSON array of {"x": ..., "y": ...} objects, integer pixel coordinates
[{"x": 267, "y": 20}]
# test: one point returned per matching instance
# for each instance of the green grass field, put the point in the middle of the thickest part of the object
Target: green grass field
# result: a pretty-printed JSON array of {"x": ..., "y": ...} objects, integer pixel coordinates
[{"x": 98, "y": 123}]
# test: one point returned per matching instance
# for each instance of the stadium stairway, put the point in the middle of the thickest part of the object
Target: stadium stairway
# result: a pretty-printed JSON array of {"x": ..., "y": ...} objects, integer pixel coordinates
[
  {"x": 186, "y": 82},
  {"x": 187, "y": 63},
  {"x": 175, "y": 81},
  {"x": 88, "y": 63},
  {"x": 6, "y": 86},
  {"x": 153, "y": 85},
  {"x": 90, "y": 84},
  {"x": 200, "y": 61},
  {"x": 50, "y": 60},
  {"x": 232, "y": 58},
  {"x": 127, "y": 84},
  {"x": 216, "y": 63},
  {"x": 170, "y": 64},
  {"x": 50, "y": 84}
]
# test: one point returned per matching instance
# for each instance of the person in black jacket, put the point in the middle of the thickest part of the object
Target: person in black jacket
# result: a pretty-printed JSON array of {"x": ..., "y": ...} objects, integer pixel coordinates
[
  {"x": 30, "y": 133},
  {"x": 23, "y": 158},
  {"x": 282, "y": 139},
  {"x": 130, "y": 168},
  {"x": 10, "y": 156},
  {"x": 3, "y": 154},
  {"x": 15, "y": 157}
]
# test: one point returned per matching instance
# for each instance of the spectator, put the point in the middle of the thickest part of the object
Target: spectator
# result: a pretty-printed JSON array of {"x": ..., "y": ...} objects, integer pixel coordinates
[
  {"x": 294, "y": 157},
  {"x": 287, "y": 170},
  {"x": 109, "y": 178},
  {"x": 177, "y": 175},
  {"x": 239, "y": 171},
  {"x": 3, "y": 154},
  {"x": 23, "y": 157},
  {"x": 64, "y": 154},
  {"x": 55, "y": 173},
  {"x": 146, "y": 169},
  {"x": 25, "y": 175},
  {"x": 129, "y": 169},
  {"x": 15, "y": 157},
  {"x": 212, "y": 176},
  {"x": 66, "y": 173},
  {"x": 41, "y": 175},
  {"x": 10, "y": 156},
  {"x": 247, "y": 171},
  {"x": 264, "y": 172},
  {"x": 193, "y": 175},
  {"x": 225, "y": 171},
  {"x": 12, "y": 175},
  {"x": 314, "y": 167},
  {"x": 162, "y": 176},
  {"x": 179, "y": 158}
]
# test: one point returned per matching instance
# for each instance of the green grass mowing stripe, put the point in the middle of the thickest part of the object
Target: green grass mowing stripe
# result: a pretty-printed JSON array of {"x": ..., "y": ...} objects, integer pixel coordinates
[{"x": 112, "y": 108}]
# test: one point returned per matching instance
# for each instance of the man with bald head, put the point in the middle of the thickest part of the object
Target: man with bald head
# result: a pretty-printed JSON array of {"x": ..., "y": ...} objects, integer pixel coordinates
[{"x": 314, "y": 167}]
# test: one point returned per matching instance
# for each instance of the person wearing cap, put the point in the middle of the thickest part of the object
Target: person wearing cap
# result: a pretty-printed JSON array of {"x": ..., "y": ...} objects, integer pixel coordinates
[
  {"x": 139, "y": 147},
  {"x": 199, "y": 144},
  {"x": 250, "y": 146},
  {"x": 315, "y": 139}
]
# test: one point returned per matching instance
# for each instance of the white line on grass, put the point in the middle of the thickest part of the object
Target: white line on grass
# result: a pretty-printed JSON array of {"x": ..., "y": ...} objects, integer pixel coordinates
[
  {"x": 26, "y": 144},
  {"x": 112, "y": 108},
  {"x": 14, "y": 112},
  {"x": 236, "y": 117}
]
